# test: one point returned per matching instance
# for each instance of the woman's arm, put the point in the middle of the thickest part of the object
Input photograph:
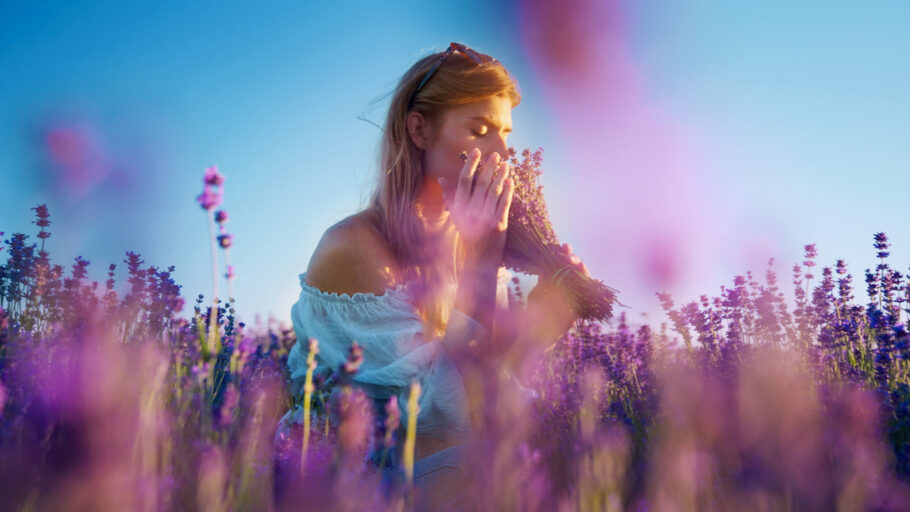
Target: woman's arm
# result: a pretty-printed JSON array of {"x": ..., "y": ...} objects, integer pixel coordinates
[{"x": 529, "y": 331}]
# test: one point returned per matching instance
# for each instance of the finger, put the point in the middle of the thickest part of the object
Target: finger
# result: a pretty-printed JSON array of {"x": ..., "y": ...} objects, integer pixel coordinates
[
  {"x": 485, "y": 179},
  {"x": 466, "y": 176},
  {"x": 498, "y": 183},
  {"x": 505, "y": 202}
]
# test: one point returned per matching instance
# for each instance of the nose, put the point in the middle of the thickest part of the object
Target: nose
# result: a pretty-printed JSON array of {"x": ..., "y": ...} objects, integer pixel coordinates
[{"x": 501, "y": 147}]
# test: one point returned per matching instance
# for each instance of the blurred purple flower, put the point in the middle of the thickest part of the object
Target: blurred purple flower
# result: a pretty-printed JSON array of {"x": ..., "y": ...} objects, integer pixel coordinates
[
  {"x": 230, "y": 403},
  {"x": 76, "y": 156},
  {"x": 355, "y": 358},
  {"x": 230, "y": 272},
  {"x": 247, "y": 345},
  {"x": 177, "y": 304},
  {"x": 213, "y": 177},
  {"x": 43, "y": 215},
  {"x": 221, "y": 217},
  {"x": 393, "y": 414},
  {"x": 209, "y": 199},
  {"x": 225, "y": 240},
  {"x": 200, "y": 370}
]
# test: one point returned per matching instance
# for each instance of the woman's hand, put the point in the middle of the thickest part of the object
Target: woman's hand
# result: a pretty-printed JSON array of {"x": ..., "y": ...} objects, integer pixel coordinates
[{"x": 481, "y": 213}]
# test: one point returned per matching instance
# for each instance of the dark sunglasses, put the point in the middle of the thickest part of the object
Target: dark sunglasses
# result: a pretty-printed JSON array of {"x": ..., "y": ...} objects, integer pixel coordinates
[{"x": 478, "y": 58}]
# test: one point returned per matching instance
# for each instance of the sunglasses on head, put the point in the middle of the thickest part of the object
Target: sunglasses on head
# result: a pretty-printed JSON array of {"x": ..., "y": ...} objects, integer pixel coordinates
[{"x": 478, "y": 58}]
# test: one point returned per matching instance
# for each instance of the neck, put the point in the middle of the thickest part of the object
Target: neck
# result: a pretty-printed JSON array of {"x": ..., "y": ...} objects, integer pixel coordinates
[{"x": 431, "y": 206}]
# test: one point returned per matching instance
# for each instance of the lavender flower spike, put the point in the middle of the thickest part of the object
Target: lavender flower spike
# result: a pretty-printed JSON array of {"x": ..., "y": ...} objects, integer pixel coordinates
[
  {"x": 213, "y": 177},
  {"x": 209, "y": 199},
  {"x": 225, "y": 240}
]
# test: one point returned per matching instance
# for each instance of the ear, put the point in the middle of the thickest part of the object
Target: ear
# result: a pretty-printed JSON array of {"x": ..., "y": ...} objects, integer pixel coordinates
[{"x": 418, "y": 129}]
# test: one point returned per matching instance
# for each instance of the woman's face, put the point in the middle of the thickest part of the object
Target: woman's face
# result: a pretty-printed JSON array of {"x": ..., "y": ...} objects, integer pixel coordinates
[{"x": 485, "y": 125}]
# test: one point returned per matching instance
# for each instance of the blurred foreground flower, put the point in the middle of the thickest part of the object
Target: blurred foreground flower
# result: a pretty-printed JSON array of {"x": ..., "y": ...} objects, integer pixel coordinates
[
  {"x": 213, "y": 177},
  {"x": 209, "y": 199},
  {"x": 225, "y": 240},
  {"x": 115, "y": 403}
]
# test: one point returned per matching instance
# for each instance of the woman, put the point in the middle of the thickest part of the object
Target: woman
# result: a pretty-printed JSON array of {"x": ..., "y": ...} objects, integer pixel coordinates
[{"x": 415, "y": 278}]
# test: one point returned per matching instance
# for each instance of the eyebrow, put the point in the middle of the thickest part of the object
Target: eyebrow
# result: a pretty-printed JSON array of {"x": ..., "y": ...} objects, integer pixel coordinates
[{"x": 489, "y": 122}]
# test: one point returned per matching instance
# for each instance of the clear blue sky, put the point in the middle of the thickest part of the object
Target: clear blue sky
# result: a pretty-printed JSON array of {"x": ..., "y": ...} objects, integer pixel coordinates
[{"x": 740, "y": 133}]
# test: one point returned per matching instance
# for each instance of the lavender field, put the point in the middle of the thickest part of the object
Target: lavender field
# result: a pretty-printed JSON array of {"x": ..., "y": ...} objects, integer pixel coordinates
[{"x": 743, "y": 401}]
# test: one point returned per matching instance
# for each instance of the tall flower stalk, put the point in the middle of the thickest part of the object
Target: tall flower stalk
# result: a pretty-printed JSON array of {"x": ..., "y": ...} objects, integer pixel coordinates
[
  {"x": 209, "y": 199},
  {"x": 226, "y": 240},
  {"x": 42, "y": 214},
  {"x": 307, "y": 398},
  {"x": 411, "y": 438},
  {"x": 213, "y": 310}
]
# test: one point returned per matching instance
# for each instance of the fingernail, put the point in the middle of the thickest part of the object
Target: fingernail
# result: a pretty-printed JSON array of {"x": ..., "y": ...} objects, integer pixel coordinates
[{"x": 475, "y": 152}]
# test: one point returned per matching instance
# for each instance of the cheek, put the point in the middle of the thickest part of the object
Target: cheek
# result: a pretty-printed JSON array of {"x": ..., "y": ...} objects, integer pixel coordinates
[
  {"x": 448, "y": 157},
  {"x": 443, "y": 161}
]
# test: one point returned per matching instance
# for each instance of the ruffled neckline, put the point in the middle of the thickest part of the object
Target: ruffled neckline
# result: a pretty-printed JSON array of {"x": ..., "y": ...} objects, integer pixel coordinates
[
  {"x": 403, "y": 290},
  {"x": 399, "y": 289}
]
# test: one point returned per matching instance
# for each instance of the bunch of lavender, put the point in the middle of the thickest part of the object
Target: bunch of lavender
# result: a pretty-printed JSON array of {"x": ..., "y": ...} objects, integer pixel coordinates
[
  {"x": 532, "y": 246},
  {"x": 843, "y": 343},
  {"x": 623, "y": 358}
]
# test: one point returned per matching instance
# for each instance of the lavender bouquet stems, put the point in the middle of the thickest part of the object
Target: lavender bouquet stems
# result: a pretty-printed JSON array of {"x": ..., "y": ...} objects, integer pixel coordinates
[{"x": 532, "y": 246}]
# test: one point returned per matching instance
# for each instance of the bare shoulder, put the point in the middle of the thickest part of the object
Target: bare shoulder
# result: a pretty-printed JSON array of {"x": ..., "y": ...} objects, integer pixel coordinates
[{"x": 352, "y": 257}]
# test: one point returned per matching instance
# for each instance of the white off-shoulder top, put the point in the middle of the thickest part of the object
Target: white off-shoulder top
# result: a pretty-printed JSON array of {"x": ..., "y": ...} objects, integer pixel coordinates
[{"x": 396, "y": 351}]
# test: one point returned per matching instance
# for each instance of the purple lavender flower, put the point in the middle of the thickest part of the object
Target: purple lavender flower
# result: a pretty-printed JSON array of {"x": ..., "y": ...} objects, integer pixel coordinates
[
  {"x": 225, "y": 240},
  {"x": 221, "y": 217},
  {"x": 881, "y": 245},
  {"x": 228, "y": 405},
  {"x": 177, "y": 304},
  {"x": 42, "y": 222},
  {"x": 213, "y": 177},
  {"x": 841, "y": 266},
  {"x": 209, "y": 199},
  {"x": 355, "y": 358},
  {"x": 809, "y": 262},
  {"x": 393, "y": 414}
]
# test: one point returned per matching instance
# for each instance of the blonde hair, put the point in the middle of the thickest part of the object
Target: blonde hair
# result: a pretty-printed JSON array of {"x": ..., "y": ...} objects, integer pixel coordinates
[{"x": 457, "y": 81}]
